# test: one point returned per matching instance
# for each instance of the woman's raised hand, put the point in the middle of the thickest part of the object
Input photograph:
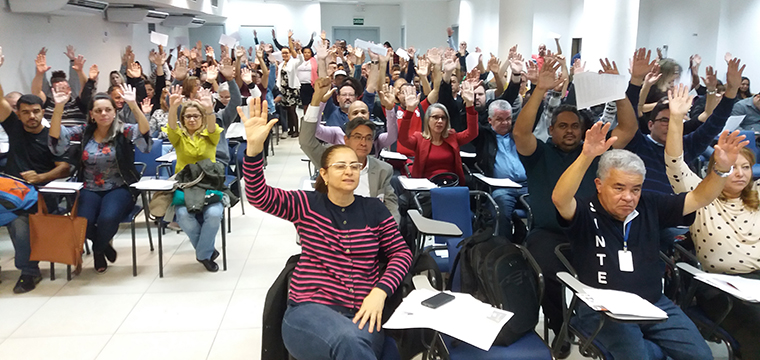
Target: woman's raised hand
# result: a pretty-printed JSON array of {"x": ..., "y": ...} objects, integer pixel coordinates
[
  {"x": 175, "y": 96},
  {"x": 128, "y": 93},
  {"x": 411, "y": 97},
  {"x": 468, "y": 93},
  {"x": 61, "y": 97},
  {"x": 256, "y": 126},
  {"x": 727, "y": 149},
  {"x": 206, "y": 99},
  {"x": 679, "y": 101}
]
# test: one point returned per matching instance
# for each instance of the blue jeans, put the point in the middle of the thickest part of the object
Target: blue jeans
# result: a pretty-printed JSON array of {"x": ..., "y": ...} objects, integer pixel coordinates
[
  {"x": 677, "y": 338},
  {"x": 201, "y": 228},
  {"x": 506, "y": 198},
  {"x": 313, "y": 331},
  {"x": 19, "y": 232},
  {"x": 104, "y": 211}
]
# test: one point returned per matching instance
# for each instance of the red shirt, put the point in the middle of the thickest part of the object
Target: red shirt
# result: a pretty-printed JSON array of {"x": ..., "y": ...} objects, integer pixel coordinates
[
  {"x": 415, "y": 125},
  {"x": 440, "y": 160}
]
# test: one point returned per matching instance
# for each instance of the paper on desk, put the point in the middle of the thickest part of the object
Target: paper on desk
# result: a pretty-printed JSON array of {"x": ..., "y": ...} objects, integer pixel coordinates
[
  {"x": 366, "y": 45},
  {"x": 227, "y": 40},
  {"x": 733, "y": 123},
  {"x": 154, "y": 184},
  {"x": 236, "y": 130},
  {"x": 465, "y": 154},
  {"x": 464, "y": 318},
  {"x": 593, "y": 89},
  {"x": 507, "y": 183},
  {"x": 168, "y": 157},
  {"x": 159, "y": 38},
  {"x": 621, "y": 303},
  {"x": 62, "y": 187},
  {"x": 472, "y": 61},
  {"x": 385, "y": 154},
  {"x": 416, "y": 183},
  {"x": 742, "y": 288},
  {"x": 402, "y": 54}
]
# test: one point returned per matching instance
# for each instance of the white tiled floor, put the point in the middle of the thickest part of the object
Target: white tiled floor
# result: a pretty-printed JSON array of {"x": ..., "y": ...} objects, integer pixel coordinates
[{"x": 188, "y": 314}]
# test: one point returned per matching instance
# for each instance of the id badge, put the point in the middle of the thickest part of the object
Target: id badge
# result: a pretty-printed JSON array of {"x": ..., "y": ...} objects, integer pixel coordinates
[{"x": 625, "y": 258}]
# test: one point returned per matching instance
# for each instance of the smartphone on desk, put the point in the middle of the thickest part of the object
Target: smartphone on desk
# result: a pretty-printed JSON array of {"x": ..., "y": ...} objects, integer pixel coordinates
[{"x": 437, "y": 300}]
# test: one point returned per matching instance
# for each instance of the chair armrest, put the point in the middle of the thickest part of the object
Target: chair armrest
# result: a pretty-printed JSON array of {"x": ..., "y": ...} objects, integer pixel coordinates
[
  {"x": 689, "y": 269},
  {"x": 536, "y": 269},
  {"x": 523, "y": 201},
  {"x": 142, "y": 167},
  {"x": 561, "y": 256},
  {"x": 169, "y": 169},
  {"x": 480, "y": 193},
  {"x": 433, "y": 227},
  {"x": 687, "y": 254}
]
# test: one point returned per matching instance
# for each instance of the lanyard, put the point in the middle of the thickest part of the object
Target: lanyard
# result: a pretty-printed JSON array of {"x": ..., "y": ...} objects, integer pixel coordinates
[{"x": 625, "y": 235}]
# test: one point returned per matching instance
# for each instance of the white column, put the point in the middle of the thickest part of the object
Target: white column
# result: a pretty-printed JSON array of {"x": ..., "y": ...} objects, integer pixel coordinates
[
  {"x": 609, "y": 30},
  {"x": 515, "y": 26}
]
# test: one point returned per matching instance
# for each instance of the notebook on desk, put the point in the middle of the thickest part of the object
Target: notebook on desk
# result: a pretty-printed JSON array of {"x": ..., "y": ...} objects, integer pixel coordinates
[{"x": 621, "y": 303}]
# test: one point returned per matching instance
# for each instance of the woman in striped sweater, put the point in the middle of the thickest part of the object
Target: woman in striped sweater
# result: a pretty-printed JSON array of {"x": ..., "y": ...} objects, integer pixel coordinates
[{"x": 337, "y": 291}]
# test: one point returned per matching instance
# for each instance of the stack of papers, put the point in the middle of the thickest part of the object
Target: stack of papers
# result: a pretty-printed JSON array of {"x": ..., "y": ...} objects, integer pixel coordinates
[
  {"x": 742, "y": 288},
  {"x": 592, "y": 89},
  {"x": 464, "y": 318},
  {"x": 620, "y": 303},
  {"x": 62, "y": 187},
  {"x": 416, "y": 183},
  {"x": 385, "y": 154},
  {"x": 154, "y": 184},
  {"x": 498, "y": 182}
]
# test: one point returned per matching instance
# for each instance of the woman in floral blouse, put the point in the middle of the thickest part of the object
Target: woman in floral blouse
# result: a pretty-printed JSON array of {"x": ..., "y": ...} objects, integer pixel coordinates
[{"x": 106, "y": 166}]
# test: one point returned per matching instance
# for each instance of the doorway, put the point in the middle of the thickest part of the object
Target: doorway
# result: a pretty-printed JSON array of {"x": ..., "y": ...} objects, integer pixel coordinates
[{"x": 351, "y": 33}]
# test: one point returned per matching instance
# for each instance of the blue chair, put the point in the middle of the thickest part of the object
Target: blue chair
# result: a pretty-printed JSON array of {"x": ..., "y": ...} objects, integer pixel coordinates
[
  {"x": 148, "y": 160},
  {"x": 750, "y": 135}
]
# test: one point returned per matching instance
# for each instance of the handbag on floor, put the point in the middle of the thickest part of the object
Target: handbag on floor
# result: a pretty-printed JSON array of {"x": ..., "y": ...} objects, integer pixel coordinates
[{"x": 57, "y": 238}]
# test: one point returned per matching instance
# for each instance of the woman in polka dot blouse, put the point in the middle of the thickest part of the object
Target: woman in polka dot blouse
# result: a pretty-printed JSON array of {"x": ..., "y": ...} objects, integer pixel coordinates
[{"x": 726, "y": 233}]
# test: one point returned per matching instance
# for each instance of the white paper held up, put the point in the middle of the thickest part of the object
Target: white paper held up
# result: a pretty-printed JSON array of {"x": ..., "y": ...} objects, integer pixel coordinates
[
  {"x": 275, "y": 56},
  {"x": 472, "y": 61},
  {"x": 402, "y": 54},
  {"x": 733, "y": 122},
  {"x": 227, "y": 40},
  {"x": 593, "y": 89},
  {"x": 366, "y": 45},
  {"x": 182, "y": 40},
  {"x": 159, "y": 38}
]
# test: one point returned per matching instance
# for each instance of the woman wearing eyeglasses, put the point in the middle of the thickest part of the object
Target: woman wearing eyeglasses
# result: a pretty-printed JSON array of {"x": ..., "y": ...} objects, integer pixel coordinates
[
  {"x": 337, "y": 290},
  {"x": 194, "y": 138},
  {"x": 438, "y": 144}
]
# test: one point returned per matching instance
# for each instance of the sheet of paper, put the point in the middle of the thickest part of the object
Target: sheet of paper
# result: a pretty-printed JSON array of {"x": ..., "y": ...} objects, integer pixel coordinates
[
  {"x": 227, "y": 40},
  {"x": 236, "y": 130},
  {"x": 275, "y": 56},
  {"x": 507, "y": 183},
  {"x": 402, "y": 54},
  {"x": 742, "y": 288},
  {"x": 416, "y": 183},
  {"x": 622, "y": 303},
  {"x": 472, "y": 61},
  {"x": 442, "y": 253},
  {"x": 169, "y": 157},
  {"x": 733, "y": 123},
  {"x": 146, "y": 183},
  {"x": 464, "y": 318},
  {"x": 366, "y": 45},
  {"x": 182, "y": 40},
  {"x": 593, "y": 89},
  {"x": 236, "y": 36},
  {"x": 392, "y": 155},
  {"x": 553, "y": 35},
  {"x": 465, "y": 154},
  {"x": 159, "y": 38},
  {"x": 62, "y": 187}
]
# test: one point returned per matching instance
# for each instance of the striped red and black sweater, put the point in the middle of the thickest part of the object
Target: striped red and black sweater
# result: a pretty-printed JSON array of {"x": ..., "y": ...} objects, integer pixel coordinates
[{"x": 340, "y": 246}]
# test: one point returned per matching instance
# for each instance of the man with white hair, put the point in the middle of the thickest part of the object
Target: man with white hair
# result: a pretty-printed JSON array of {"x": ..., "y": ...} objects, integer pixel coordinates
[{"x": 614, "y": 236}]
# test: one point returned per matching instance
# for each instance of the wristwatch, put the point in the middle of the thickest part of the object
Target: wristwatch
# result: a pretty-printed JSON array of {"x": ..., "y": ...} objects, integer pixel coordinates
[{"x": 723, "y": 174}]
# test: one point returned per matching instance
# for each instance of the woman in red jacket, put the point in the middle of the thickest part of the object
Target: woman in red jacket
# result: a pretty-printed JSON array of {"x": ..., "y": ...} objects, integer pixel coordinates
[{"x": 438, "y": 144}]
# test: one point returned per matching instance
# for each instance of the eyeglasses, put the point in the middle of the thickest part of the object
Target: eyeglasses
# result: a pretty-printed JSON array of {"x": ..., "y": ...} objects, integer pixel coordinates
[
  {"x": 662, "y": 119},
  {"x": 342, "y": 166},
  {"x": 192, "y": 116},
  {"x": 438, "y": 117},
  {"x": 357, "y": 137}
]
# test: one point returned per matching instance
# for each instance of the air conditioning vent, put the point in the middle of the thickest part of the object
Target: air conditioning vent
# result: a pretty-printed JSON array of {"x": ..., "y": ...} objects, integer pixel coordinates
[
  {"x": 197, "y": 22},
  {"x": 89, "y": 4},
  {"x": 157, "y": 15},
  {"x": 215, "y": 3},
  {"x": 58, "y": 7}
]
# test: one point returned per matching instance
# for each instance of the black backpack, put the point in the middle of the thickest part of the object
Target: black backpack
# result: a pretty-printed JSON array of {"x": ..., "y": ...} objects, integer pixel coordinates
[{"x": 497, "y": 272}]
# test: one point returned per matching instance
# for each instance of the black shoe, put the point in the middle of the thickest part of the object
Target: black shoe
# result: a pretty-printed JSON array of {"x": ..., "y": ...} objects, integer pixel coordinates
[
  {"x": 99, "y": 260},
  {"x": 214, "y": 255},
  {"x": 210, "y": 265},
  {"x": 26, "y": 283},
  {"x": 110, "y": 253},
  {"x": 564, "y": 351}
]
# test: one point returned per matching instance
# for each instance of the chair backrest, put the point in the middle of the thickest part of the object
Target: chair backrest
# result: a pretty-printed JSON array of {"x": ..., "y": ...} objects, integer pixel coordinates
[
  {"x": 452, "y": 204},
  {"x": 750, "y": 135},
  {"x": 149, "y": 159}
]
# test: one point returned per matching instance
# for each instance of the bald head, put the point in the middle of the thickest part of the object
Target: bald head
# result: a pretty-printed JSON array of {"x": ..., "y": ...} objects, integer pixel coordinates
[
  {"x": 12, "y": 98},
  {"x": 358, "y": 108}
]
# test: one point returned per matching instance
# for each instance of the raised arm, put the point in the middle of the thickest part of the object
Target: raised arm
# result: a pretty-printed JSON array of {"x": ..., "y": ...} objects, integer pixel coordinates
[
  {"x": 130, "y": 96},
  {"x": 628, "y": 122},
  {"x": 78, "y": 67},
  {"x": 60, "y": 99},
  {"x": 5, "y": 107},
  {"x": 41, "y": 68},
  {"x": 207, "y": 100},
  {"x": 405, "y": 135},
  {"x": 525, "y": 141},
  {"x": 494, "y": 66},
  {"x": 307, "y": 137},
  {"x": 422, "y": 71},
  {"x": 711, "y": 98},
  {"x": 175, "y": 99},
  {"x": 595, "y": 145},
  {"x": 679, "y": 102},
  {"x": 388, "y": 100},
  {"x": 649, "y": 80}
]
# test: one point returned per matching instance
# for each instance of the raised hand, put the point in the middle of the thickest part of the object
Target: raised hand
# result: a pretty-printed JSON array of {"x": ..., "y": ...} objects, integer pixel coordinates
[
  {"x": 532, "y": 72},
  {"x": 411, "y": 97},
  {"x": 694, "y": 62},
  {"x": 146, "y": 106},
  {"x": 640, "y": 65},
  {"x": 388, "y": 96},
  {"x": 228, "y": 71},
  {"x": 468, "y": 93},
  {"x": 70, "y": 53},
  {"x": 246, "y": 75},
  {"x": 679, "y": 101},
  {"x": 579, "y": 67},
  {"x": 206, "y": 98},
  {"x": 449, "y": 65},
  {"x": 727, "y": 149},
  {"x": 41, "y": 64},
  {"x": 653, "y": 75},
  {"x": 78, "y": 63},
  {"x": 134, "y": 70},
  {"x": 494, "y": 65},
  {"x": 61, "y": 97},
  {"x": 726, "y": 57},
  {"x": 180, "y": 69},
  {"x": 434, "y": 55},
  {"x": 257, "y": 128},
  {"x": 516, "y": 62},
  {"x": 596, "y": 142},
  {"x": 42, "y": 51},
  {"x": 734, "y": 77},
  {"x": 94, "y": 72},
  {"x": 512, "y": 52},
  {"x": 449, "y": 31},
  {"x": 411, "y": 51},
  {"x": 608, "y": 68},
  {"x": 290, "y": 33},
  {"x": 128, "y": 93},
  {"x": 547, "y": 78},
  {"x": 385, "y": 58},
  {"x": 212, "y": 72},
  {"x": 422, "y": 67},
  {"x": 175, "y": 96},
  {"x": 710, "y": 79},
  {"x": 157, "y": 58},
  {"x": 321, "y": 50},
  {"x": 239, "y": 52}
]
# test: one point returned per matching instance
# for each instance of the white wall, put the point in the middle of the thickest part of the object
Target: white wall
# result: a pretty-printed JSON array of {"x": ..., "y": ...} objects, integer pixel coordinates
[
  {"x": 386, "y": 17},
  {"x": 551, "y": 17},
  {"x": 101, "y": 43},
  {"x": 421, "y": 34},
  {"x": 479, "y": 25},
  {"x": 737, "y": 33},
  {"x": 609, "y": 31},
  {"x": 301, "y": 17}
]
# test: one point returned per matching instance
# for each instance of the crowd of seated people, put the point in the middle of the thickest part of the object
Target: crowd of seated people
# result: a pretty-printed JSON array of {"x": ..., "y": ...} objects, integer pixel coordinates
[{"x": 519, "y": 118}]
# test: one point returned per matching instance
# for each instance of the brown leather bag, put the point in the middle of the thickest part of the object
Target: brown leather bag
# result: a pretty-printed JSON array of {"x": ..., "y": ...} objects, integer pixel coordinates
[{"x": 57, "y": 238}]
